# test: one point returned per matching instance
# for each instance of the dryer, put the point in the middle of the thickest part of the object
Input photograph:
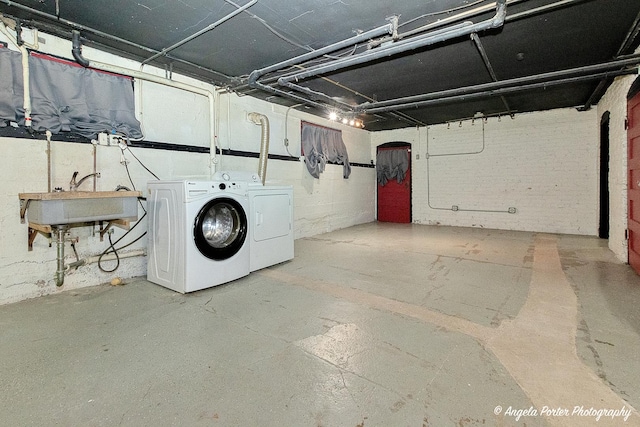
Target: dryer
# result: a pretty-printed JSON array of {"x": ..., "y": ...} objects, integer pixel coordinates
[
  {"x": 271, "y": 234},
  {"x": 198, "y": 233},
  {"x": 270, "y": 225}
]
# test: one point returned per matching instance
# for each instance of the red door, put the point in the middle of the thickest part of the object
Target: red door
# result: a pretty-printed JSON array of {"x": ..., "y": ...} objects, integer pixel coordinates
[
  {"x": 394, "y": 198},
  {"x": 633, "y": 185}
]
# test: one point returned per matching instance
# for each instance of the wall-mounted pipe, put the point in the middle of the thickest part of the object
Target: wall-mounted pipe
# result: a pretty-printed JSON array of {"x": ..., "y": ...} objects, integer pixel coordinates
[
  {"x": 77, "y": 54},
  {"x": 22, "y": 47},
  {"x": 76, "y": 49},
  {"x": 60, "y": 231},
  {"x": 263, "y": 121},
  {"x": 109, "y": 257}
]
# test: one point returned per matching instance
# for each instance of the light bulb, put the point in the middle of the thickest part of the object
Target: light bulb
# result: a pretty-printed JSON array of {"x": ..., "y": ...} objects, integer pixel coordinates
[
  {"x": 352, "y": 122},
  {"x": 333, "y": 116},
  {"x": 345, "y": 121}
]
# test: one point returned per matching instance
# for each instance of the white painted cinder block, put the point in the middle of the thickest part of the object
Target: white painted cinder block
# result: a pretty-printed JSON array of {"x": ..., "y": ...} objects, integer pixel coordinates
[
  {"x": 543, "y": 164},
  {"x": 321, "y": 205}
]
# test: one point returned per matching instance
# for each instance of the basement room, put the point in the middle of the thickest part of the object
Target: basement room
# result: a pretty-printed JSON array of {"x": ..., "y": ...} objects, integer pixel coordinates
[{"x": 320, "y": 213}]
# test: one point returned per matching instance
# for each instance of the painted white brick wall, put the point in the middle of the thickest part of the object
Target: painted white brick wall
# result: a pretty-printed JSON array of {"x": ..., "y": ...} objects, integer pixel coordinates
[
  {"x": 544, "y": 164},
  {"x": 615, "y": 101},
  {"x": 322, "y": 205}
]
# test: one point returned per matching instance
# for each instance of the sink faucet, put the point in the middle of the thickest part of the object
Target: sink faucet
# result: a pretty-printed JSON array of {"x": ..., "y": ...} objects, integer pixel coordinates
[{"x": 73, "y": 185}]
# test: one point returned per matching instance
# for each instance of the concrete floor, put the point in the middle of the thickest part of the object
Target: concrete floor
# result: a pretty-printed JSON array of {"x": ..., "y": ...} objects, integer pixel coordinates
[{"x": 375, "y": 325}]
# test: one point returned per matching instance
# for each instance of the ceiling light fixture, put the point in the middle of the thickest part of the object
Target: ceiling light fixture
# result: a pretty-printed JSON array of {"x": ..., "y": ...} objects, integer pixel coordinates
[{"x": 351, "y": 121}]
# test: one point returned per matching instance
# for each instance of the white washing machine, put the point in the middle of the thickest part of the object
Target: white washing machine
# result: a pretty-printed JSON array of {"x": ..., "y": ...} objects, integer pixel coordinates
[
  {"x": 198, "y": 233},
  {"x": 271, "y": 233}
]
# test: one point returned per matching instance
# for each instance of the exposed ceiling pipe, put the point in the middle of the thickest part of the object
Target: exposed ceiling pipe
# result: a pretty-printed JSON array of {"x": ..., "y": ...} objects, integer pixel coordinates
[
  {"x": 487, "y": 63},
  {"x": 415, "y": 101},
  {"x": 438, "y": 36},
  {"x": 542, "y": 9},
  {"x": 376, "y": 32},
  {"x": 201, "y": 32},
  {"x": 600, "y": 90},
  {"x": 450, "y": 20},
  {"x": 253, "y": 80},
  {"x": 287, "y": 81},
  {"x": 501, "y": 91},
  {"x": 630, "y": 37},
  {"x": 590, "y": 69}
]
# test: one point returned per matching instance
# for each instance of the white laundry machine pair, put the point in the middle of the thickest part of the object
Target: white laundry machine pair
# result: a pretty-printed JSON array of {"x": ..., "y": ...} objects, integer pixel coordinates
[{"x": 206, "y": 233}]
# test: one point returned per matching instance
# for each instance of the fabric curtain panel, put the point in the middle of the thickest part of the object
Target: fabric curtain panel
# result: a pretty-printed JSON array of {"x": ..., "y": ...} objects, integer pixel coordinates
[
  {"x": 322, "y": 145},
  {"x": 11, "y": 105},
  {"x": 391, "y": 164},
  {"x": 68, "y": 98}
]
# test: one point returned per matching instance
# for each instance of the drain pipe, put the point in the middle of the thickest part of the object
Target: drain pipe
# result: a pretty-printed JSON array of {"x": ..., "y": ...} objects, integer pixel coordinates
[
  {"x": 22, "y": 47},
  {"x": 110, "y": 257},
  {"x": 60, "y": 230},
  {"x": 263, "y": 121}
]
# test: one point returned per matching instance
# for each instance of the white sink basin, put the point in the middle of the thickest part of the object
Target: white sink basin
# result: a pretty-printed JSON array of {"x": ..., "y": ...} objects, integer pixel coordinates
[{"x": 72, "y": 207}]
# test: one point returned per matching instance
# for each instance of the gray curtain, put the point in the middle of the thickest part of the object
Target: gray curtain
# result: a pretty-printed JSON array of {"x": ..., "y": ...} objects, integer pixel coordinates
[
  {"x": 68, "y": 98},
  {"x": 10, "y": 87},
  {"x": 391, "y": 164},
  {"x": 321, "y": 145}
]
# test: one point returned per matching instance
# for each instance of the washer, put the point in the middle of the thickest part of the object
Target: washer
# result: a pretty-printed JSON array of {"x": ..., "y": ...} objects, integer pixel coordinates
[
  {"x": 198, "y": 233},
  {"x": 271, "y": 232}
]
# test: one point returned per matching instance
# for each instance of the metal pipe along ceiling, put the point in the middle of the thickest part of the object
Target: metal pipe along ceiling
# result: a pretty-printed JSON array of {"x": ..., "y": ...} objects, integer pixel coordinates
[
  {"x": 591, "y": 72},
  {"x": 433, "y": 37}
]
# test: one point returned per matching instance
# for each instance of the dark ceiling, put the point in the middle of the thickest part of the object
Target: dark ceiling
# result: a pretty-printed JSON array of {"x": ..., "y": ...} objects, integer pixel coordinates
[{"x": 426, "y": 62}]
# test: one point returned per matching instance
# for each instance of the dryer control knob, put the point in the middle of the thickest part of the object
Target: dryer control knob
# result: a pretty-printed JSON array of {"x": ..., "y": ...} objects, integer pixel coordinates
[{"x": 222, "y": 186}]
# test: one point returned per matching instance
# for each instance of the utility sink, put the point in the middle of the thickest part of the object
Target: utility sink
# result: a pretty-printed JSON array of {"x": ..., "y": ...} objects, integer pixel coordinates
[{"x": 72, "y": 207}]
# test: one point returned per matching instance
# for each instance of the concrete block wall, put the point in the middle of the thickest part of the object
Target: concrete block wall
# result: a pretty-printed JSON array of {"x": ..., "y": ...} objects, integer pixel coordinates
[
  {"x": 544, "y": 164},
  {"x": 615, "y": 102},
  {"x": 320, "y": 205}
]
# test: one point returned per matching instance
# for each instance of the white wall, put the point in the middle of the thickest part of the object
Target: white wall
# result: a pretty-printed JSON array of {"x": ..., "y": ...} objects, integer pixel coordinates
[
  {"x": 615, "y": 101},
  {"x": 321, "y": 205},
  {"x": 544, "y": 164}
]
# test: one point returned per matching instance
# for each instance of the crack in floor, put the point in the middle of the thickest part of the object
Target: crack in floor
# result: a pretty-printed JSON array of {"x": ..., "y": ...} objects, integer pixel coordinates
[{"x": 537, "y": 347}]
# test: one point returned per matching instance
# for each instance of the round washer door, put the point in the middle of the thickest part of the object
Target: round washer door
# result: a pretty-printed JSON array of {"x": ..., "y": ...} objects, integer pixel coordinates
[{"x": 220, "y": 228}]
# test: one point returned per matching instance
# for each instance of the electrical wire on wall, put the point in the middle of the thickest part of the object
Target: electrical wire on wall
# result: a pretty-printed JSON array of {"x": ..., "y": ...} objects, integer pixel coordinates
[
  {"x": 456, "y": 208},
  {"x": 286, "y": 122},
  {"x": 111, "y": 249}
]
